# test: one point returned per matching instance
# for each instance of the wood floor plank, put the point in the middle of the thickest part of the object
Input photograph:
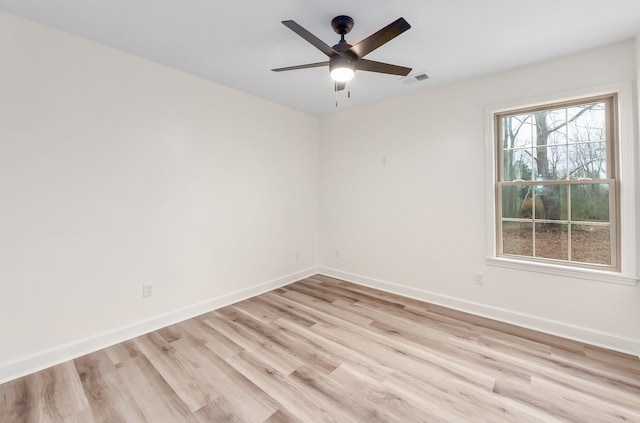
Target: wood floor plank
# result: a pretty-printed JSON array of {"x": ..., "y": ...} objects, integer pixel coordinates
[
  {"x": 303, "y": 403},
  {"x": 563, "y": 407},
  {"x": 405, "y": 358},
  {"x": 602, "y": 368},
  {"x": 259, "y": 311},
  {"x": 121, "y": 352},
  {"x": 4, "y": 405},
  {"x": 242, "y": 399},
  {"x": 107, "y": 394},
  {"x": 349, "y": 401},
  {"x": 579, "y": 378},
  {"x": 64, "y": 391},
  {"x": 212, "y": 339},
  {"x": 627, "y": 361},
  {"x": 53, "y": 394},
  {"x": 20, "y": 397},
  {"x": 341, "y": 295},
  {"x": 281, "y": 416},
  {"x": 366, "y": 365},
  {"x": 176, "y": 370},
  {"x": 392, "y": 404},
  {"x": 153, "y": 395},
  {"x": 302, "y": 296},
  {"x": 611, "y": 385},
  {"x": 344, "y": 331},
  {"x": 245, "y": 337},
  {"x": 286, "y": 310},
  {"x": 277, "y": 337},
  {"x": 326, "y": 350},
  {"x": 582, "y": 399},
  {"x": 462, "y": 351}
]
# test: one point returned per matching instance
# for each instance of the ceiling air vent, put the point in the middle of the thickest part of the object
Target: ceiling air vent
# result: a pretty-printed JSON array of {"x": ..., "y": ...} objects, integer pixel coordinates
[{"x": 418, "y": 77}]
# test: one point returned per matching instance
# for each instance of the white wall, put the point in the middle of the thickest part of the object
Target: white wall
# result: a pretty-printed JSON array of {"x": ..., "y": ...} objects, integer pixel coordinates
[
  {"x": 116, "y": 171},
  {"x": 417, "y": 224}
]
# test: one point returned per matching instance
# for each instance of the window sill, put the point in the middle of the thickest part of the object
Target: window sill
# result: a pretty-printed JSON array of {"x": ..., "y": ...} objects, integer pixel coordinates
[{"x": 551, "y": 269}]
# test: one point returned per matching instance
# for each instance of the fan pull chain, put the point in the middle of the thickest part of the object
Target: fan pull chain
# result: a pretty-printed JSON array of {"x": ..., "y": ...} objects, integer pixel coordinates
[{"x": 347, "y": 88}]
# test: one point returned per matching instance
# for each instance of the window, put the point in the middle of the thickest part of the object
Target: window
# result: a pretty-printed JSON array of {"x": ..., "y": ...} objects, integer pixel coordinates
[
  {"x": 557, "y": 184},
  {"x": 562, "y": 190}
]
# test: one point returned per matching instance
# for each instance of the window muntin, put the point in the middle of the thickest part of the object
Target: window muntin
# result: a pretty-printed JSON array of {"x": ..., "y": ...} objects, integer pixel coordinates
[{"x": 556, "y": 184}]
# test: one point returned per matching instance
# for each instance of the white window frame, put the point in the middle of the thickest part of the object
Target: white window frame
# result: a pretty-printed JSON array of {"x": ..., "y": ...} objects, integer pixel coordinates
[{"x": 627, "y": 174}]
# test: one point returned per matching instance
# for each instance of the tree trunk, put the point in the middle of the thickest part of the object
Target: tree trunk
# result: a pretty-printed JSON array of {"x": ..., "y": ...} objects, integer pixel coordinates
[
  {"x": 542, "y": 133},
  {"x": 548, "y": 196}
]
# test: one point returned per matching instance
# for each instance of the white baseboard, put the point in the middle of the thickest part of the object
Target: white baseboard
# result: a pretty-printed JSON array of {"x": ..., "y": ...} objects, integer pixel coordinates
[
  {"x": 31, "y": 363},
  {"x": 552, "y": 327}
]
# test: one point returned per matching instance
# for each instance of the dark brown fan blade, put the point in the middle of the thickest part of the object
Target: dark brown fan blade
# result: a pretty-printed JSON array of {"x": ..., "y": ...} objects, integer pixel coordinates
[
  {"x": 340, "y": 86},
  {"x": 307, "y": 66},
  {"x": 372, "y": 66},
  {"x": 315, "y": 41},
  {"x": 381, "y": 37}
]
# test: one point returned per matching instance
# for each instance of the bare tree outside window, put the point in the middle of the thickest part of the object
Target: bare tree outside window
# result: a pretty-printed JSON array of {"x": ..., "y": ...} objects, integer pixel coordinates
[{"x": 556, "y": 183}]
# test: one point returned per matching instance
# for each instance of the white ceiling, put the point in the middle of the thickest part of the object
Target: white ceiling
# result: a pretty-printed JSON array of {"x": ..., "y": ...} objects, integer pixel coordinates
[{"x": 236, "y": 43}]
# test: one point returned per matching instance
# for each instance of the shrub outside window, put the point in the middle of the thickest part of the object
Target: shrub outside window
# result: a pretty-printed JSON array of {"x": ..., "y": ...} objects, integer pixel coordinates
[{"x": 556, "y": 190}]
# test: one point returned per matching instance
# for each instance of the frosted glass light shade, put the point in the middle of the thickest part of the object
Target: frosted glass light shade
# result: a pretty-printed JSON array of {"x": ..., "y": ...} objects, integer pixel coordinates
[{"x": 342, "y": 74}]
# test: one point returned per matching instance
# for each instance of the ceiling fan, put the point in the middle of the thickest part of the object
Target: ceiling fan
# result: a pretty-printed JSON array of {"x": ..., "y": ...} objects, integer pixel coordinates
[{"x": 345, "y": 59}]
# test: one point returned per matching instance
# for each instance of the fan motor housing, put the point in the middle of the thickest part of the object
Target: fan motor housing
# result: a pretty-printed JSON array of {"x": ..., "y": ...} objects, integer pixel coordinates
[{"x": 342, "y": 24}]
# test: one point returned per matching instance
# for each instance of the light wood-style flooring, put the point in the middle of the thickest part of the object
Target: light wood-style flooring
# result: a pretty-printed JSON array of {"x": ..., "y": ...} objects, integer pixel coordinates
[{"x": 324, "y": 350}]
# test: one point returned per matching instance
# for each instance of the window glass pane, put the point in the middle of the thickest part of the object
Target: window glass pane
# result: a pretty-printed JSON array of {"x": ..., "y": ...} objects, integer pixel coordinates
[
  {"x": 512, "y": 197},
  {"x": 556, "y": 119},
  {"x": 587, "y": 123},
  {"x": 552, "y": 241},
  {"x": 590, "y": 202},
  {"x": 551, "y": 202},
  {"x": 591, "y": 244},
  {"x": 531, "y": 208},
  {"x": 517, "y": 131},
  {"x": 588, "y": 160},
  {"x": 517, "y": 238},
  {"x": 551, "y": 163},
  {"x": 517, "y": 164}
]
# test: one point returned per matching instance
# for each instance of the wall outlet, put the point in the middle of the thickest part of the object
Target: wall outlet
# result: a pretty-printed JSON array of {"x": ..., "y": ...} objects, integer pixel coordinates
[
  {"x": 478, "y": 278},
  {"x": 298, "y": 255},
  {"x": 337, "y": 253},
  {"x": 147, "y": 289}
]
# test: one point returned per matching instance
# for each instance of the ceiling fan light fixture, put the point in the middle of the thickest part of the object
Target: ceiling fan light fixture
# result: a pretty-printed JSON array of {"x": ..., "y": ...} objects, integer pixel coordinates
[
  {"x": 345, "y": 58},
  {"x": 341, "y": 69}
]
